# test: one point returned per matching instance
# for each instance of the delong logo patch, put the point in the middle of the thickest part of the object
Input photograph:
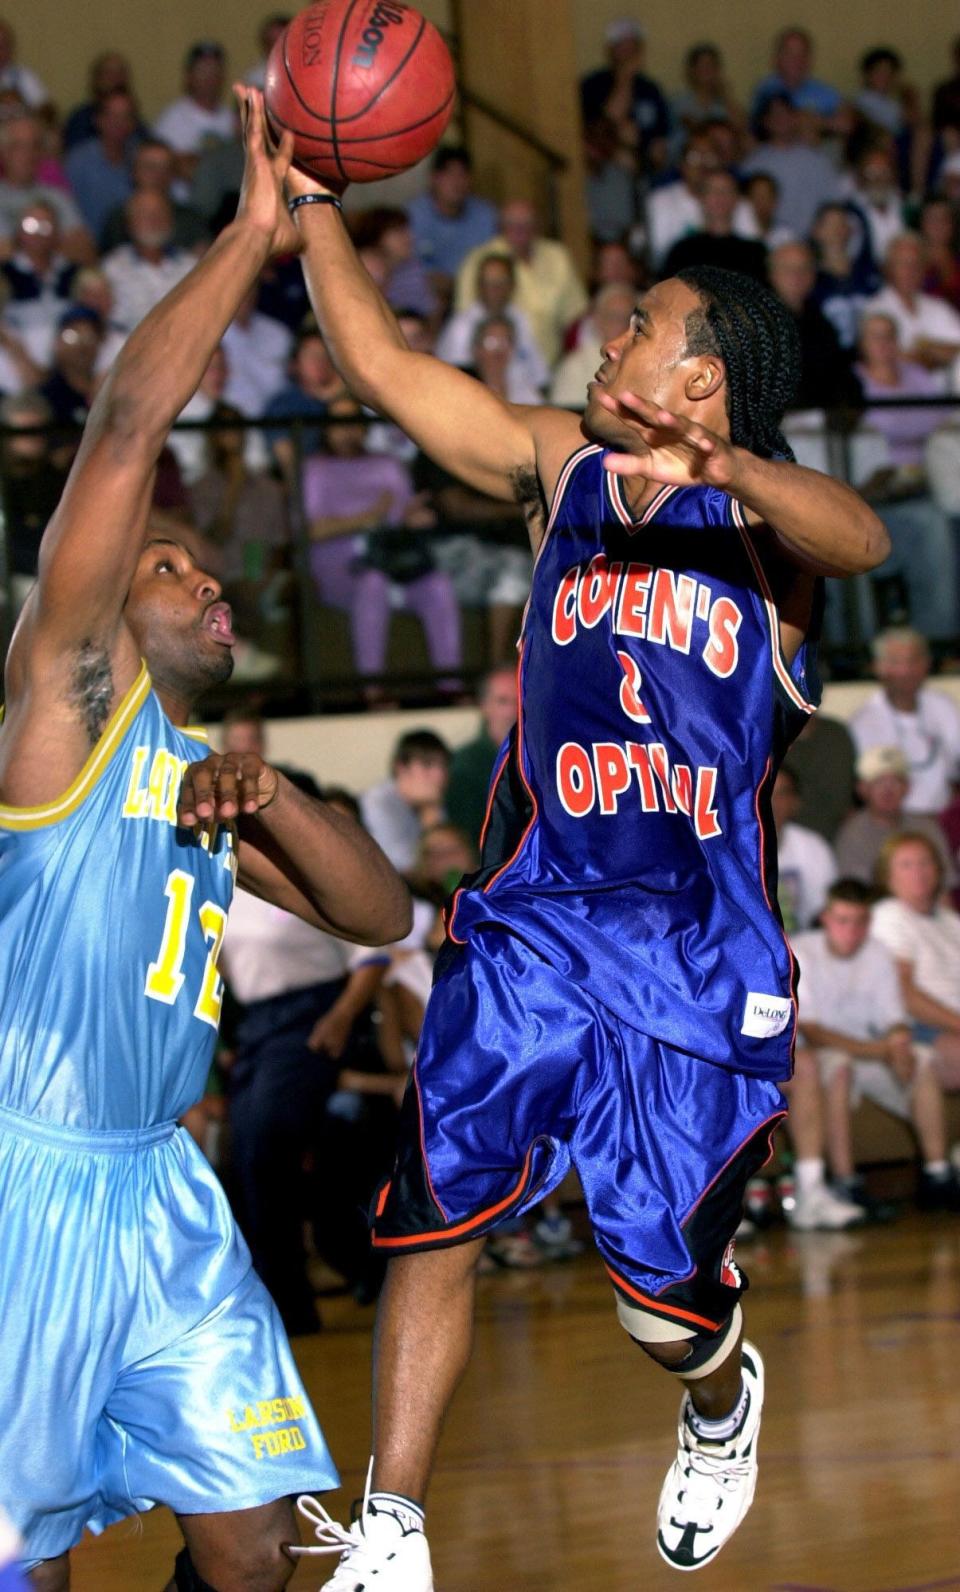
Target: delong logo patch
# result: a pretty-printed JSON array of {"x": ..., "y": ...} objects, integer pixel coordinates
[{"x": 765, "y": 1015}]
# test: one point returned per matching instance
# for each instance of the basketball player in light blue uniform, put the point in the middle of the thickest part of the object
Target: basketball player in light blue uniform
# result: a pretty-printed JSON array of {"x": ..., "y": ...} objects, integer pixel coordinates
[
  {"x": 615, "y": 992},
  {"x": 141, "y": 1360}
]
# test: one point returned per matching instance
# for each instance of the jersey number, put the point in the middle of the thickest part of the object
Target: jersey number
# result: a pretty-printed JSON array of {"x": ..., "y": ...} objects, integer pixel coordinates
[{"x": 165, "y": 977}]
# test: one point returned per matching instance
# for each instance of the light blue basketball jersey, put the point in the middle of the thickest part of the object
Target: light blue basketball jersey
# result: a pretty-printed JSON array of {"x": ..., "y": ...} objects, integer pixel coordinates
[{"x": 111, "y": 920}]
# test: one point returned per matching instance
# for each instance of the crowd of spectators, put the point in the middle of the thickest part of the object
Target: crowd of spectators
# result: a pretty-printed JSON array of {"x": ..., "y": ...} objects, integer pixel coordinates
[
  {"x": 848, "y": 205},
  {"x": 850, "y": 208}
]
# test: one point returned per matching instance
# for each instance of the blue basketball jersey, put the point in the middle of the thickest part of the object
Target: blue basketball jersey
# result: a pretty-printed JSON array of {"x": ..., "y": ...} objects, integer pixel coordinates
[
  {"x": 629, "y": 839},
  {"x": 111, "y": 920}
]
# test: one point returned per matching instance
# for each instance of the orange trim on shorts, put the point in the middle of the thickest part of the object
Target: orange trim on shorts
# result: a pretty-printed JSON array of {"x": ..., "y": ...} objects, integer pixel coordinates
[
  {"x": 461, "y": 1228},
  {"x": 664, "y": 1310},
  {"x": 766, "y": 896}
]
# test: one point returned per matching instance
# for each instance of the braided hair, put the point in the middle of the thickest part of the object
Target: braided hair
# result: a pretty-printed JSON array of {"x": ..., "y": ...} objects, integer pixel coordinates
[{"x": 752, "y": 331}]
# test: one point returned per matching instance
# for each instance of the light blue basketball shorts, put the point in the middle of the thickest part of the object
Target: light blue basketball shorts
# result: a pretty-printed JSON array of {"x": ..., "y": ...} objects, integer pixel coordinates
[{"x": 142, "y": 1361}]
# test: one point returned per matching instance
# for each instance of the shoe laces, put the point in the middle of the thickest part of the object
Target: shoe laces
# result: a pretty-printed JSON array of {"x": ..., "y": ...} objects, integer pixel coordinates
[
  {"x": 706, "y": 1475},
  {"x": 331, "y": 1536}
]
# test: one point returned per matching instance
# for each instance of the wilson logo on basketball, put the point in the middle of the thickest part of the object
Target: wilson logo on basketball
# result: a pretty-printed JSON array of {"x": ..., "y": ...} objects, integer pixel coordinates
[{"x": 372, "y": 36}]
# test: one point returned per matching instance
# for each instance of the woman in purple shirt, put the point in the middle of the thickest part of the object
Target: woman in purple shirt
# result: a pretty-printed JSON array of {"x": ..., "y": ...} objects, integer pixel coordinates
[{"x": 352, "y": 500}]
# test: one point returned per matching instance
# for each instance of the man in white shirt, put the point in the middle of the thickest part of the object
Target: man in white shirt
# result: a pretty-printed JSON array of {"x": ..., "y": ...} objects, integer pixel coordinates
[
  {"x": 258, "y": 349},
  {"x": 19, "y": 78},
  {"x": 609, "y": 318},
  {"x": 928, "y": 328},
  {"x": 806, "y": 866},
  {"x": 675, "y": 210},
  {"x": 302, "y": 991},
  {"x": 922, "y": 722},
  {"x": 852, "y": 1015},
  {"x": 199, "y": 118},
  {"x": 144, "y": 270},
  {"x": 923, "y": 936}
]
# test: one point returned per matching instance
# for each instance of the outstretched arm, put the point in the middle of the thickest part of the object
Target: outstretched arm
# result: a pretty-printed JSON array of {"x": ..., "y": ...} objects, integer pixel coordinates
[
  {"x": 298, "y": 853},
  {"x": 72, "y": 627},
  {"x": 494, "y": 446},
  {"x": 822, "y": 525}
]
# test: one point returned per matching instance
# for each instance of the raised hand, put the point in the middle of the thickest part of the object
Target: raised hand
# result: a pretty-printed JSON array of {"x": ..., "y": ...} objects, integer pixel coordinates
[
  {"x": 262, "y": 200},
  {"x": 666, "y": 447},
  {"x": 224, "y": 786}
]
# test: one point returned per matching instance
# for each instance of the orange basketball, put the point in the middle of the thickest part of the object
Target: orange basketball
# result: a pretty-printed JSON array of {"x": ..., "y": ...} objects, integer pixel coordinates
[{"x": 365, "y": 86}]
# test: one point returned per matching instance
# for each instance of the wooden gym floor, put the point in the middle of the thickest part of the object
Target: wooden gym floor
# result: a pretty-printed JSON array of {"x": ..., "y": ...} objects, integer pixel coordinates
[{"x": 556, "y": 1448}]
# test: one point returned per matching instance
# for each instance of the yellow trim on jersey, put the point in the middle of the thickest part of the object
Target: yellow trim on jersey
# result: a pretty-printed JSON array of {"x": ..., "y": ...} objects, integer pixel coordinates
[
  {"x": 195, "y": 733},
  {"x": 116, "y": 728}
]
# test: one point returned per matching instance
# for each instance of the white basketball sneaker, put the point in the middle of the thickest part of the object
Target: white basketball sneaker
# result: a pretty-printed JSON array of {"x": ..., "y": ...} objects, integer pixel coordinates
[
  {"x": 710, "y": 1486},
  {"x": 379, "y": 1553}
]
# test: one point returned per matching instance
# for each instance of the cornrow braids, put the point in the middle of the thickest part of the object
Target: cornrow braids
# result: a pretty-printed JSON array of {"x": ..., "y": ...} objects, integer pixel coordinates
[{"x": 755, "y": 335}]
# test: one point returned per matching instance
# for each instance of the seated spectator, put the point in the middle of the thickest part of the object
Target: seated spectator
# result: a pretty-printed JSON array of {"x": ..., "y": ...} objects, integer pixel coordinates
[
  {"x": 806, "y": 863},
  {"x": 92, "y": 290},
  {"x": 928, "y": 328},
  {"x": 945, "y": 109},
  {"x": 303, "y": 993},
  {"x": 307, "y": 394},
  {"x": 826, "y": 377},
  {"x": 762, "y": 198},
  {"x": 674, "y": 209},
  {"x": 496, "y": 288},
  {"x": 70, "y": 387},
  {"x": 873, "y": 188},
  {"x": 805, "y": 177},
  {"x": 922, "y": 722},
  {"x": 217, "y": 175},
  {"x": 144, "y": 270},
  {"x": 880, "y": 99},
  {"x": 153, "y": 172},
  {"x": 630, "y": 99},
  {"x": 100, "y": 169},
  {"x": 846, "y": 277},
  {"x": 257, "y": 349},
  {"x": 923, "y": 936},
  {"x": 792, "y": 78},
  {"x": 268, "y": 33},
  {"x": 243, "y": 730},
  {"x": 885, "y": 373},
  {"x": 448, "y": 221},
  {"x": 549, "y": 291},
  {"x": 109, "y": 74},
  {"x": 39, "y": 281},
  {"x": 883, "y": 780},
  {"x": 244, "y": 513},
  {"x": 940, "y": 231},
  {"x": 369, "y": 552},
  {"x": 17, "y": 78},
  {"x": 199, "y": 117},
  {"x": 706, "y": 97},
  {"x": 494, "y": 361},
  {"x": 610, "y": 189},
  {"x": 717, "y": 242},
  {"x": 472, "y": 765},
  {"x": 18, "y": 371},
  {"x": 30, "y": 485},
  {"x": 608, "y": 318},
  {"x": 398, "y": 811},
  {"x": 384, "y": 240},
  {"x": 822, "y": 757},
  {"x": 21, "y": 153},
  {"x": 853, "y": 1016}
]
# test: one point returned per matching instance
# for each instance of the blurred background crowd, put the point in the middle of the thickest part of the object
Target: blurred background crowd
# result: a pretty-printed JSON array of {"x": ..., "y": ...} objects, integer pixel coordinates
[{"x": 362, "y": 577}]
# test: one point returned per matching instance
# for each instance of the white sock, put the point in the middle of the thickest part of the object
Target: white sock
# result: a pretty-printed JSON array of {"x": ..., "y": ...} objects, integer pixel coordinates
[
  {"x": 404, "y": 1510},
  {"x": 727, "y": 1426},
  {"x": 809, "y": 1174},
  {"x": 937, "y": 1168}
]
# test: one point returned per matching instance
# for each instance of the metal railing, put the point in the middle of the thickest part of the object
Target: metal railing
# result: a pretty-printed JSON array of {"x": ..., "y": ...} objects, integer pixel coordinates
[{"x": 317, "y": 674}]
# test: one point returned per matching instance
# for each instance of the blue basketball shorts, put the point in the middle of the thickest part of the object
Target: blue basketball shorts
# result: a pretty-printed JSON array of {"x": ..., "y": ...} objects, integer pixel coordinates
[
  {"x": 142, "y": 1361},
  {"x": 520, "y": 1075}
]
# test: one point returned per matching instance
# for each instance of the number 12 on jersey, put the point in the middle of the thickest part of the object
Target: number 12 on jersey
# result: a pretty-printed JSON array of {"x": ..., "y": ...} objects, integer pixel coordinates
[{"x": 165, "y": 976}]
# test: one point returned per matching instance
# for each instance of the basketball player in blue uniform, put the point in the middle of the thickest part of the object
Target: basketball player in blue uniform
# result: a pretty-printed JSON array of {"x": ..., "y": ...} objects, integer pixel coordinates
[
  {"x": 141, "y": 1359},
  {"x": 616, "y": 992}
]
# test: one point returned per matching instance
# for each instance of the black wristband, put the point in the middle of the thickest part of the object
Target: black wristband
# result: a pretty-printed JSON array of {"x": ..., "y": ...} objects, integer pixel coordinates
[{"x": 313, "y": 199}]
